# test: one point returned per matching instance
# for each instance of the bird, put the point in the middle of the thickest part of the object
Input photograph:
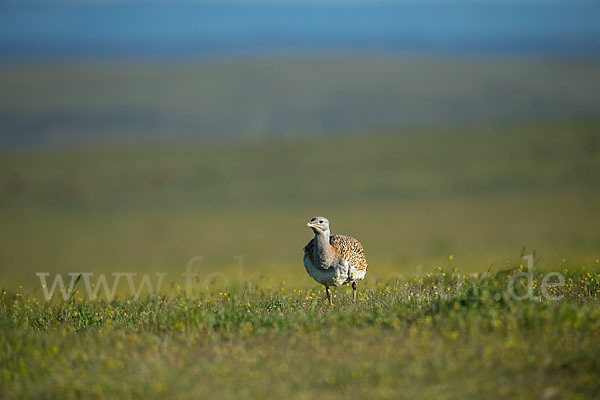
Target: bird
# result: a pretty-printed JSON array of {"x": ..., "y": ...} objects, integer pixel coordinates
[{"x": 333, "y": 260}]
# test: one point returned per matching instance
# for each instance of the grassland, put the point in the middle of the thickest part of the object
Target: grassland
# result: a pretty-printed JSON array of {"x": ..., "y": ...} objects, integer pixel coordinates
[
  {"x": 424, "y": 204},
  {"x": 66, "y": 104},
  {"x": 426, "y": 201},
  {"x": 443, "y": 335},
  {"x": 480, "y": 194}
]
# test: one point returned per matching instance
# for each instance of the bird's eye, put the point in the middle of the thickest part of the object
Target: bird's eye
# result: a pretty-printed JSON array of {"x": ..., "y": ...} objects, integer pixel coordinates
[{"x": 321, "y": 221}]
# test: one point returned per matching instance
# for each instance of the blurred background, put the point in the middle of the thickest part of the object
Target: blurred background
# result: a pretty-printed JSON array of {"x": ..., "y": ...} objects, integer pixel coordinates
[{"x": 136, "y": 134}]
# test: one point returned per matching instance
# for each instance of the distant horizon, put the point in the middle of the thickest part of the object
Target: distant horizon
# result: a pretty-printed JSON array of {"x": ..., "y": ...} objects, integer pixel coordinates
[{"x": 66, "y": 30}]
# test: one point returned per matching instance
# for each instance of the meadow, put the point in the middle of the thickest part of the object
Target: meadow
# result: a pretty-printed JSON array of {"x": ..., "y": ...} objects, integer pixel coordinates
[
  {"x": 287, "y": 96},
  {"x": 448, "y": 173},
  {"x": 434, "y": 211},
  {"x": 481, "y": 194},
  {"x": 443, "y": 335}
]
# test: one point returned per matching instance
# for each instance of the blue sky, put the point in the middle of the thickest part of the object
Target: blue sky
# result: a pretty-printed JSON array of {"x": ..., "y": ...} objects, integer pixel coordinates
[{"x": 104, "y": 28}]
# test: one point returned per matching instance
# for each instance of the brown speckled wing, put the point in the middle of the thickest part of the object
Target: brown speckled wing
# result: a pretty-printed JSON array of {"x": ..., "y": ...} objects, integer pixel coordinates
[{"x": 349, "y": 249}]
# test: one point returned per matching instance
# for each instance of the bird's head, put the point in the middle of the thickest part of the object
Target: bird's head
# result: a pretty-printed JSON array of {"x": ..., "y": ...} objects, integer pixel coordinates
[{"x": 318, "y": 224}]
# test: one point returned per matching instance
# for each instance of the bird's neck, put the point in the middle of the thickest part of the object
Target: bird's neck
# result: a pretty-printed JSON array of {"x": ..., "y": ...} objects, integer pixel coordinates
[{"x": 324, "y": 249}]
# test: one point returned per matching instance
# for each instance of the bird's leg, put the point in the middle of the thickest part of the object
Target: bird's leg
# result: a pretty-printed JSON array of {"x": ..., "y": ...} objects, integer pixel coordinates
[
  {"x": 354, "y": 292},
  {"x": 329, "y": 296}
]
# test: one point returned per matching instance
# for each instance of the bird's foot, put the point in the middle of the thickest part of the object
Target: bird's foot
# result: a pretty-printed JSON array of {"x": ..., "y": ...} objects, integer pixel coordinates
[{"x": 329, "y": 296}]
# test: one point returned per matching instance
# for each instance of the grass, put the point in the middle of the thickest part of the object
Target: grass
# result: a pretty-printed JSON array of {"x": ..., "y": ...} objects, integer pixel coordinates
[
  {"x": 278, "y": 96},
  {"x": 444, "y": 335},
  {"x": 474, "y": 198},
  {"x": 413, "y": 198}
]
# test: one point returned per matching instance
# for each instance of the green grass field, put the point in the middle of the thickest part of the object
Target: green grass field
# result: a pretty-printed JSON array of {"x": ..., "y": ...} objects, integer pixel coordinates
[
  {"x": 273, "y": 97},
  {"x": 440, "y": 336},
  {"x": 455, "y": 166},
  {"x": 480, "y": 194},
  {"x": 476, "y": 200}
]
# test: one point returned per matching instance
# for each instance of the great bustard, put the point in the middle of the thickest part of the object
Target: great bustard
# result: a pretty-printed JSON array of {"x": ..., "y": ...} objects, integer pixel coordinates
[{"x": 333, "y": 260}]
